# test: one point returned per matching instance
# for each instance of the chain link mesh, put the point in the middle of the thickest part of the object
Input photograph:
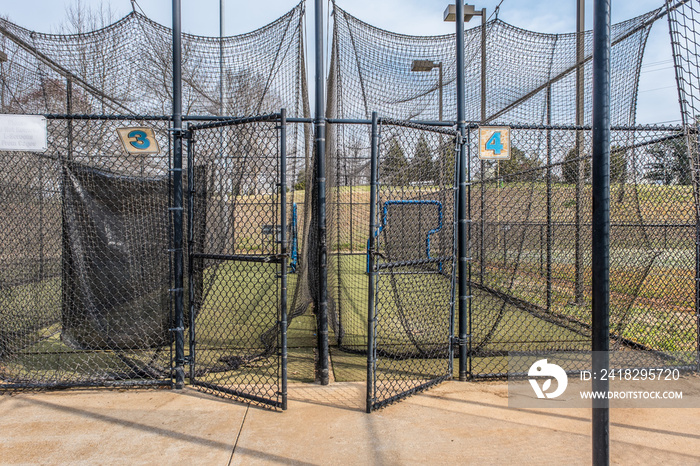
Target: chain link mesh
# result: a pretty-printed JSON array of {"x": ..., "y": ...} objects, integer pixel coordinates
[
  {"x": 85, "y": 272},
  {"x": 531, "y": 246},
  {"x": 235, "y": 260},
  {"x": 414, "y": 260}
]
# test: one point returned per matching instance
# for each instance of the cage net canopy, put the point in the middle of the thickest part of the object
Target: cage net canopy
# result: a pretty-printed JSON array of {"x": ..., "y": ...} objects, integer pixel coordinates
[
  {"x": 371, "y": 70},
  {"x": 126, "y": 68}
]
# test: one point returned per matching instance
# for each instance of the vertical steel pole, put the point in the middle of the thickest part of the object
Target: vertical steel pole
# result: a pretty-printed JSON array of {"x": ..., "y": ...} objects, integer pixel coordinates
[
  {"x": 191, "y": 188},
  {"x": 440, "y": 83},
  {"x": 283, "y": 253},
  {"x": 320, "y": 142},
  {"x": 549, "y": 199},
  {"x": 482, "y": 265},
  {"x": 371, "y": 271},
  {"x": 69, "y": 111},
  {"x": 483, "y": 66},
  {"x": 222, "y": 32},
  {"x": 601, "y": 226},
  {"x": 178, "y": 262},
  {"x": 580, "y": 164},
  {"x": 462, "y": 204}
]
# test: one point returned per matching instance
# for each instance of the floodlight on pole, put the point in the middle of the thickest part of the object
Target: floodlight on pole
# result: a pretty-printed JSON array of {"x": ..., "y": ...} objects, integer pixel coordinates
[
  {"x": 469, "y": 12},
  {"x": 427, "y": 66},
  {"x": 450, "y": 13}
]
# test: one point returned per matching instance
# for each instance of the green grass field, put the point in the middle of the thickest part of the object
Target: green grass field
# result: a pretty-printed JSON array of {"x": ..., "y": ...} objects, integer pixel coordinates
[{"x": 239, "y": 310}]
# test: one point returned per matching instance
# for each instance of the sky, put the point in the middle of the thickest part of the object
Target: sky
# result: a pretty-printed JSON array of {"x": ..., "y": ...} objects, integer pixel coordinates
[{"x": 658, "y": 98}]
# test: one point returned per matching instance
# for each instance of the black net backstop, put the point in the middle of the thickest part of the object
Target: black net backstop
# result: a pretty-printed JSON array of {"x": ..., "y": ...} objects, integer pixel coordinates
[{"x": 85, "y": 259}]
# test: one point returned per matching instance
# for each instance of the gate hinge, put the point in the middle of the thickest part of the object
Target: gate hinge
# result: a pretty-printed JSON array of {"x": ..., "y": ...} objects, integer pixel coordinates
[
  {"x": 183, "y": 133},
  {"x": 177, "y": 329},
  {"x": 456, "y": 341},
  {"x": 277, "y": 257}
]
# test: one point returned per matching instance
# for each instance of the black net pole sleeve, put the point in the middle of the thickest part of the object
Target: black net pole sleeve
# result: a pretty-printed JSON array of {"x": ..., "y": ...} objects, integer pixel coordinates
[
  {"x": 601, "y": 227},
  {"x": 462, "y": 208}
]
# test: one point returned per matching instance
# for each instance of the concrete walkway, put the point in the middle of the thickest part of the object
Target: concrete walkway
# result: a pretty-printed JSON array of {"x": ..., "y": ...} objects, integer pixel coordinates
[{"x": 454, "y": 423}]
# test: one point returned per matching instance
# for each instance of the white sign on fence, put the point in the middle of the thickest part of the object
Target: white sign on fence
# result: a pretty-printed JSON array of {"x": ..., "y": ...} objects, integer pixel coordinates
[{"x": 23, "y": 133}]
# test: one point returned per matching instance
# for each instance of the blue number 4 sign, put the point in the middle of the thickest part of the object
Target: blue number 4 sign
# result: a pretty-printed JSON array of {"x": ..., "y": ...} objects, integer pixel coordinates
[{"x": 494, "y": 143}]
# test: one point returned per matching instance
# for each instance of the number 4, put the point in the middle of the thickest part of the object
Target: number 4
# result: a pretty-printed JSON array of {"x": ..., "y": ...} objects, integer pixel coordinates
[{"x": 494, "y": 143}]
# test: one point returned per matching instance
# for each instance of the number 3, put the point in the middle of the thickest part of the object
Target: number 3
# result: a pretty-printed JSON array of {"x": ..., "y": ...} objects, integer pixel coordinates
[
  {"x": 140, "y": 139},
  {"x": 494, "y": 143}
]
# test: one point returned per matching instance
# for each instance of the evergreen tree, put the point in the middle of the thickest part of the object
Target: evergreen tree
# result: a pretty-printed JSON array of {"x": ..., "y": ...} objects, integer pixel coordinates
[
  {"x": 570, "y": 168},
  {"x": 518, "y": 163},
  {"x": 669, "y": 162},
  {"x": 393, "y": 168},
  {"x": 422, "y": 165}
]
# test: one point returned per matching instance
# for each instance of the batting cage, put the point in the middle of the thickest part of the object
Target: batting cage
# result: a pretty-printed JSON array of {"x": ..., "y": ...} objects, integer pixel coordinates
[
  {"x": 88, "y": 262},
  {"x": 128, "y": 260},
  {"x": 528, "y": 217}
]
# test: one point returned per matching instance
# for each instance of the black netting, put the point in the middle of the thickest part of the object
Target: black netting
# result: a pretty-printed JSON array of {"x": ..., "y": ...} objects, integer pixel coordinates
[
  {"x": 86, "y": 280},
  {"x": 530, "y": 216},
  {"x": 372, "y": 70},
  {"x": 84, "y": 256},
  {"x": 531, "y": 241},
  {"x": 126, "y": 68}
]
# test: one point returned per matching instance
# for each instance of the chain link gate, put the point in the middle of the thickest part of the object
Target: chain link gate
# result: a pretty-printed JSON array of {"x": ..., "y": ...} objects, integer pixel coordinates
[
  {"x": 237, "y": 235},
  {"x": 410, "y": 260}
]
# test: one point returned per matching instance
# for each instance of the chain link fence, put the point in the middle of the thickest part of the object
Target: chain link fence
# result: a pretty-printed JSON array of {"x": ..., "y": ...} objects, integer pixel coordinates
[
  {"x": 237, "y": 252},
  {"x": 410, "y": 260},
  {"x": 85, "y": 271}
]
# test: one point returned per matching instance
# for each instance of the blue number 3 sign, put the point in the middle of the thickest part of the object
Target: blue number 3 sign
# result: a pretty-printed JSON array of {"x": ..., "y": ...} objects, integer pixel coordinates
[{"x": 138, "y": 140}]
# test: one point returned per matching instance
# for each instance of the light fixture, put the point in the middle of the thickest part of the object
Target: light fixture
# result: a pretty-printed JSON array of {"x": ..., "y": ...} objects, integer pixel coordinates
[
  {"x": 469, "y": 12},
  {"x": 424, "y": 65}
]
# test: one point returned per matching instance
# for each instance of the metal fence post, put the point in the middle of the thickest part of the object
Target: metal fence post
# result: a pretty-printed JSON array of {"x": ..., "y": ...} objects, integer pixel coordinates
[
  {"x": 191, "y": 187},
  {"x": 549, "y": 199},
  {"x": 178, "y": 262},
  {"x": 283, "y": 253},
  {"x": 372, "y": 274},
  {"x": 601, "y": 228},
  {"x": 320, "y": 142},
  {"x": 580, "y": 164},
  {"x": 462, "y": 204}
]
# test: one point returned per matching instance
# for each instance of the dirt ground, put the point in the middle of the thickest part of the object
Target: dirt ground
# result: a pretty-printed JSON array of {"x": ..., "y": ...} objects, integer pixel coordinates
[{"x": 454, "y": 423}]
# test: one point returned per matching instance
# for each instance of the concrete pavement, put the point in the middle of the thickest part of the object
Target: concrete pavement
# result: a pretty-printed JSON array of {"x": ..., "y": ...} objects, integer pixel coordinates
[{"x": 454, "y": 423}]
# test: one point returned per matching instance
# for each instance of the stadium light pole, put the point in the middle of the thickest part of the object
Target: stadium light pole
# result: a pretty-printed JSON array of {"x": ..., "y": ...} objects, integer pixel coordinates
[
  {"x": 427, "y": 66},
  {"x": 469, "y": 13}
]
